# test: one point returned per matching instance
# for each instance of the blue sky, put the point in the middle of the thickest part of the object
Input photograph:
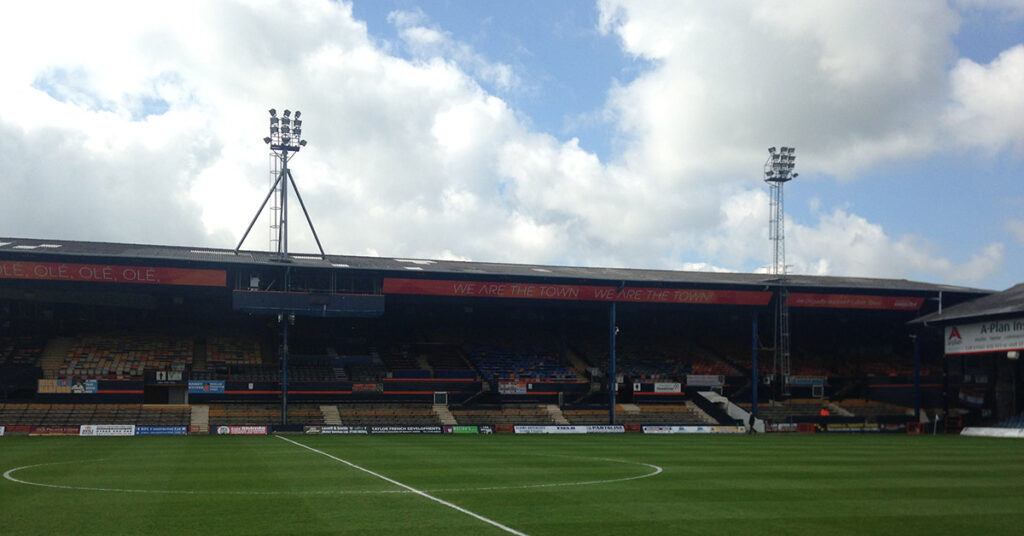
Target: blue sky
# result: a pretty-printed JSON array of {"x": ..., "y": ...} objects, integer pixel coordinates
[
  {"x": 607, "y": 133},
  {"x": 566, "y": 63}
]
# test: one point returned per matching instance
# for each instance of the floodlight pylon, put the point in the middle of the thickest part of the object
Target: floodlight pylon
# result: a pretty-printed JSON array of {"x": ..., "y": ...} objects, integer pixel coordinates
[
  {"x": 283, "y": 143},
  {"x": 778, "y": 170}
]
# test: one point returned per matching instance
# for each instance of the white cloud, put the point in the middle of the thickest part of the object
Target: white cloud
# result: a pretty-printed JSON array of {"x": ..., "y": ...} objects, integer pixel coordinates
[
  {"x": 154, "y": 123},
  {"x": 847, "y": 244},
  {"x": 849, "y": 83},
  {"x": 989, "y": 107}
]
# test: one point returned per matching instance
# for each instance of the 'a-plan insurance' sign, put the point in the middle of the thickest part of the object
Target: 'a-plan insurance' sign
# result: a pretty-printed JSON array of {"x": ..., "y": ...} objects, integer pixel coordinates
[{"x": 983, "y": 337}]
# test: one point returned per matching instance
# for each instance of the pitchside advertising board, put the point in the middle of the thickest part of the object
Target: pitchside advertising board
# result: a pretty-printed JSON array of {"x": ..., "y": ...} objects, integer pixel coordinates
[
  {"x": 694, "y": 429},
  {"x": 239, "y": 430},
  {"x": 106, "y": 430},
  {"x": 593, "y": 429},
  {"x": 985, "y": 337},
  {"x": 161, "y": 430},
  {"x": 345, "y": 430}
]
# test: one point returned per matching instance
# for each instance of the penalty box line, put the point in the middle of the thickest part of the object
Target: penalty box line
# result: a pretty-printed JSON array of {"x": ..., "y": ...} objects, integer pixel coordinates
[{"x": 423, "y": 494}]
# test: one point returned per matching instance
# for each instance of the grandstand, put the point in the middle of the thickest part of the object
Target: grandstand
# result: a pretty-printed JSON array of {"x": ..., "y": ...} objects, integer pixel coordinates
[{"x": 100, "y": 333}]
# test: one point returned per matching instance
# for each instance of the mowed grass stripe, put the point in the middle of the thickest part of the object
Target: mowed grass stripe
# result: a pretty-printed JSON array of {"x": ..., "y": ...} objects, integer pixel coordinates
[
  {"x": 710, "y": 484},
  {"x": 411, "y": 489}
]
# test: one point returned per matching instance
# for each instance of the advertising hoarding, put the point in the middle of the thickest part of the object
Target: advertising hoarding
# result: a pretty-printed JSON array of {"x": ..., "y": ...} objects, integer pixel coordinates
[
  {"x": 106, "y": 430},
  {"x": 984, "y": 337},
  {"x": 161, "y": 430},
  {"x": 111, "y": 273},
  {"x": 240, "y": 430},
  {"x": 66, "y": 386},
  {"x": 206, "y": 386}
]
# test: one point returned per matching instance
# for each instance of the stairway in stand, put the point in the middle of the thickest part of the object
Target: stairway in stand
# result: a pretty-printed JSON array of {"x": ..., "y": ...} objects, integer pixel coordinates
[
  {"x": 331, "y": 415},
  {"x": 200, "y": 420},
  {"x": 556, "y": 414},
  {"x": 54, "y": 354},
  {"x": 631, "y": 409},
  {"x": 444, "y": 415}
]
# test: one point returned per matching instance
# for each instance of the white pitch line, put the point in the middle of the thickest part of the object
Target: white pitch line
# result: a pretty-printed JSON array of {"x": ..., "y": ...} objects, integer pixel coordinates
[
  {"x": 9, "y": 475},
  {"x": 423, "y": 494}
]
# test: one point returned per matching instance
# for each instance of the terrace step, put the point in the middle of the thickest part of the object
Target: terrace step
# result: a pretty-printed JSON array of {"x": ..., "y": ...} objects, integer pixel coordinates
[
  {"x": 556, "y": 414},
  {"x": 54, "y": 354},
  {"x": 200, "y": 416},
  {"x": 839, "y": 410},
  {"x": 444, "y": 414},
  {"x": 331, "y": 415},
  {"x": 695, "y": 409},
  {"x": 630, "y": 408}
]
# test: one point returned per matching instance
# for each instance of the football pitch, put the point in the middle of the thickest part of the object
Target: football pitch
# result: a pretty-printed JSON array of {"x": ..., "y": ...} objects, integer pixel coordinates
[{"x": 509, "y": 484}]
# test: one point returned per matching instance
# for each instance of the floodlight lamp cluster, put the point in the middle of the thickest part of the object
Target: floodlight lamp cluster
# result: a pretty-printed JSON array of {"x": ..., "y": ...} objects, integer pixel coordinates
[
  {"x": 780, "y": 164},
  {"x": 285, "y": 131}
]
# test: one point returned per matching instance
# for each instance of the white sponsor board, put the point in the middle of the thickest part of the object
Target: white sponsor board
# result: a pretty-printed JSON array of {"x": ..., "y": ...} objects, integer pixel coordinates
[
  {"x": 1016, "y": 433},
  {"x": 982, "y": 337},
  {"x": 1, "y": 431},
  {"x": 106, "y": 430},
  {"x": 428, "y": 429},
  {"x": 668, "y": 387},
  {"x": 241, "y": 430},
  {"x": 591, "y": 429},
  {"x": 605, "y": 429},
  {"x": 694, "y": 429},
  {"x": 337, "y": 429}
]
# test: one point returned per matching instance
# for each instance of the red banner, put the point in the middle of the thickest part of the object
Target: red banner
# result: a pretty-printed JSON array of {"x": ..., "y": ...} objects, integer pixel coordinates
[
  {"x": 542, "y": 291},
  {"x": 853, "y": 301},
  {"x": 104, "y": 273},
  {"x": 53, "y": 430}
]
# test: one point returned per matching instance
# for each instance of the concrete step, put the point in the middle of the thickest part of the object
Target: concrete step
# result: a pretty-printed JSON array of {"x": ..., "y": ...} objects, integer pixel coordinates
[
  {"x": 695, "y": 409},
  {"x": 54, "y": 354},
  {"x": 200, "y": 416},
  {"x": 331, "y": 415},
  {"x": 556, "y": 414},
  {"x": 630, "y": 408},
  {"x": 444, "y": 415}
]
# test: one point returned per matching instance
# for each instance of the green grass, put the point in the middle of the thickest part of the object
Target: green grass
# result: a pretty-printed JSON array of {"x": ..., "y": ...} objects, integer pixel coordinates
[{"x": 793, "y": 484}]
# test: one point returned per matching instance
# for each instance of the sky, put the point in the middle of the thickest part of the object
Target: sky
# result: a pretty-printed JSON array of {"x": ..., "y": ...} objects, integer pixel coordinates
[{"x": 614, "y": 133}]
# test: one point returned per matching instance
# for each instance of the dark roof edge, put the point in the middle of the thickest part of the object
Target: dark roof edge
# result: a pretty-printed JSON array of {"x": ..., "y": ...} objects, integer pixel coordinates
[{"x": 474, "y": 269}]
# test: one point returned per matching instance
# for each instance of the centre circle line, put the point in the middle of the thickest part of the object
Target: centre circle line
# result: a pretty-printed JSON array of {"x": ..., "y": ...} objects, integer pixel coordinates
[{"x": 9, "y": 475}]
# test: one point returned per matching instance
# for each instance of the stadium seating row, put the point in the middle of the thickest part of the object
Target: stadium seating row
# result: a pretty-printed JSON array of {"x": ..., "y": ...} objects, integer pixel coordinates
[
  {"x": 20, "y": 350},
  {"x": 77, "y": 414},
  {"x": 126, "y": 356},
  {"x": 495, "y": 355},
  {"x": 415, "y": 414}
]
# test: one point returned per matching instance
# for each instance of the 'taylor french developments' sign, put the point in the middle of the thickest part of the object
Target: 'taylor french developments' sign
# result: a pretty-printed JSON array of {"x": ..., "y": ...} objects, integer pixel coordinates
[{"x": 983, "y": 337}]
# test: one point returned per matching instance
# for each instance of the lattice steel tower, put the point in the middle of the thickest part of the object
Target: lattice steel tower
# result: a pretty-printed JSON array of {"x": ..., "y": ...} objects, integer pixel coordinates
[
  {"x": 778, "y": 170},
  {"x": 285, "y": 138}
]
